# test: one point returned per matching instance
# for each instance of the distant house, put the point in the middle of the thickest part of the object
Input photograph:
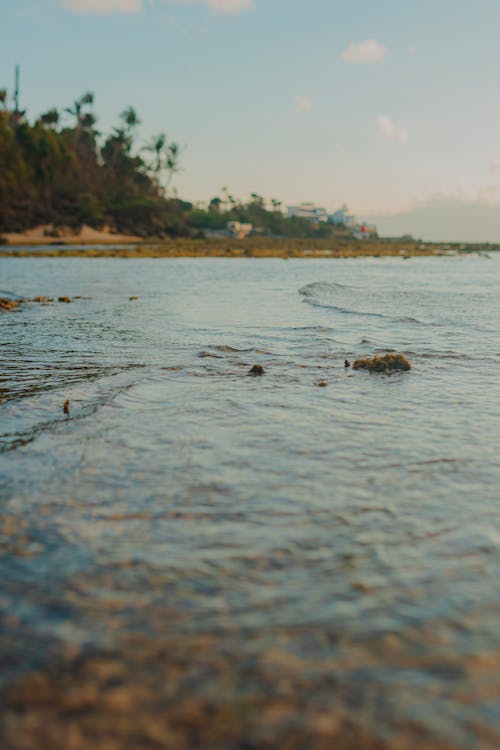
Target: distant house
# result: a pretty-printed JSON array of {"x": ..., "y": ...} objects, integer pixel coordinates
[
  {"x": 307, "y": 211},
  {"x": 364, "y": 231},
  {"x": 238, "y": 229},
  {"x": 342, "y": 216}
]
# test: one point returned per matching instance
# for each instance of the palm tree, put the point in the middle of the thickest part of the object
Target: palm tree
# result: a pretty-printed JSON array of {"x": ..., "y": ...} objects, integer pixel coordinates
[
  {"x": 172, "y": 161},
  {"x": 77, "y": 110},
  {"x": 50, "y": 118},
  {"x": 87, "y": 121},
  {"x": 130, "y": 119},
  {"x": 165, "y": 157}
]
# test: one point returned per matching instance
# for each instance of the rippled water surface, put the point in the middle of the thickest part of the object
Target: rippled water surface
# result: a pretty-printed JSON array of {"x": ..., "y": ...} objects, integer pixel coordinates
[{"x": 294, "y": 563}]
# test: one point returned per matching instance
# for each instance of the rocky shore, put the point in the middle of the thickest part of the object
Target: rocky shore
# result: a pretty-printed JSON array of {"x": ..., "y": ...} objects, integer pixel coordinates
[{"x": 261, "y": 247}]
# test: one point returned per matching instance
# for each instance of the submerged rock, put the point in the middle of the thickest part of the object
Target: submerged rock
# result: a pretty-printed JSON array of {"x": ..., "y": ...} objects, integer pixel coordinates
[
  {"x": 66, "y": 406},
  {"x": 347, "y": 363},
  {"x": 9, "y": 304},
  {"x": 387, "y": 363},
  {"x": 256, "y": 370},
  {"x": 63, "y": 299}
]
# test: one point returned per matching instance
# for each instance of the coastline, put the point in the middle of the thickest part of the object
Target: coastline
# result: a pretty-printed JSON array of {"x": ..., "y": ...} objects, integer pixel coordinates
[
  {"x": 90, "y": 243},
  {"x": 44, "y": 234}
]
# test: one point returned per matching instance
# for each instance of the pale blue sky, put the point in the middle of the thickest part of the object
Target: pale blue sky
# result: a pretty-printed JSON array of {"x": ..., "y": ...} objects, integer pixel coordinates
[{"x": 377, "y": 103}]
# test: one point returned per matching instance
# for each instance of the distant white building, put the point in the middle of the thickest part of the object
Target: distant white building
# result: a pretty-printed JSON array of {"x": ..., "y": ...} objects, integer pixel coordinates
[
  {"x": 307, "y": 211},
  {"x": 342, "y": 216}
]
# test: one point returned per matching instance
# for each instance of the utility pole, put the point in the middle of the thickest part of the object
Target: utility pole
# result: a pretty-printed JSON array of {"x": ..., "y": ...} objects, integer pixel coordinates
[{"x": 16, "y": 89}]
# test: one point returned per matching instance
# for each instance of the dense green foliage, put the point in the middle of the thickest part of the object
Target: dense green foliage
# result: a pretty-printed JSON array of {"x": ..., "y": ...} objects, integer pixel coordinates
[{"x": 68, "y": 175}]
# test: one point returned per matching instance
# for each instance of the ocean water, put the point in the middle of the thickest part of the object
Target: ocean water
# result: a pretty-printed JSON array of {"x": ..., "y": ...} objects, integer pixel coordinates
[{"x": 295, "y": 563}]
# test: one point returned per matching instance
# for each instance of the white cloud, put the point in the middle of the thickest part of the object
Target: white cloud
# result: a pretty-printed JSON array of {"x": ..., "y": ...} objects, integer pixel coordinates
[
  {"x": 390, "y": 130},
  {"x": 303, "y": 103},
  {"x": 229, "y": 6},
  {"x": 102, "y": 7},
  {"x": 370, "y": 51}
]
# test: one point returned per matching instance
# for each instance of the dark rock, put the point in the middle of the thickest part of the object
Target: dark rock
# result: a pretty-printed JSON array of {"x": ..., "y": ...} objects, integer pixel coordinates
[
  {"x": 66, "y": 406},
  {"x": 347, "y": 363},
  {"x": 63, "y": 299},
  {"x": 256, "y": 370}
]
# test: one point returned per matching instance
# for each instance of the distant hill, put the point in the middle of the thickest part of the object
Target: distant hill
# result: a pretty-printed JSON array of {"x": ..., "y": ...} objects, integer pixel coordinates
[{"x": 444, "y": 220}]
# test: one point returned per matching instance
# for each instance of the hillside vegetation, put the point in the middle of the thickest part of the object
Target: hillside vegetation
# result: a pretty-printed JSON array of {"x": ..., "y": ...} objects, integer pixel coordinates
[{"x": 61, "y": 171}]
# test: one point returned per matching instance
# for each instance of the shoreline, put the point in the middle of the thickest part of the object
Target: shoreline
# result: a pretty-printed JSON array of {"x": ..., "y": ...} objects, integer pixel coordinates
[
  {"x": 123, "y": 246},
  {"x": 45, "y": 234}
]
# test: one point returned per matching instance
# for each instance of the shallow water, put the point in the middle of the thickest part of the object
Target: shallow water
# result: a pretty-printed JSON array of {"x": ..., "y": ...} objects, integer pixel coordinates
[{"x": 352, "y": 531}]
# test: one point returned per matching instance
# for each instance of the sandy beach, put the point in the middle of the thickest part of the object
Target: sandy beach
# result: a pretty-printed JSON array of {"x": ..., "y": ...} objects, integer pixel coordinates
[{"x": 44, "y": 234}]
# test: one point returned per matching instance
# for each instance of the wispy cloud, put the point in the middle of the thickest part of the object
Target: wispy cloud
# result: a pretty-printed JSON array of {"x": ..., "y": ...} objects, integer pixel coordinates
[
  {"x": 229, "y": 6},
  {"x": 303, "y": 104},
  {"x": 390, "y": 130},
  {"x": 369, "y": 51},
  {"x": 105, "y": 7},
  {"x": 102, "y": 7}
]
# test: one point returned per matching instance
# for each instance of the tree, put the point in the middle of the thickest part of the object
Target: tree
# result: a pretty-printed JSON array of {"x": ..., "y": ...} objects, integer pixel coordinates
[
  {"x": 50, "y": 118},
  {"x": 130, "y": 119},
  {"x": 77, "y": 111},
  {"x": 215, "y": 205},
  {"x": 165, "y": 158}
]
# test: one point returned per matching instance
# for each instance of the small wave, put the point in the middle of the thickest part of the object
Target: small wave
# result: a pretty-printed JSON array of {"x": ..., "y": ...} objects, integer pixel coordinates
[
  {"x": 227, "y": 348},
  {"x": 321, "y": 287},
  {"x": 11, "y": 296},
  {"x": 25, "y": 381},
  {"x": 317, "y": 294},
  {"x": 210, "y": 354},
  {"x": 368, "y": 314}
]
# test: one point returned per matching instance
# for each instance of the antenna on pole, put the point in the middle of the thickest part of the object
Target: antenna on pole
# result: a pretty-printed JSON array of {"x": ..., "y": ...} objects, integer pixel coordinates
[{"x": 16, "y": 89}]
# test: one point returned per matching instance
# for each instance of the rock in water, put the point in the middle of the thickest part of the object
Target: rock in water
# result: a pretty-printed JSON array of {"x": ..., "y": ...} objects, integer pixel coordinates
[
  {"x": 9, "y": 304},
  {"x": 256, "y": 370},
  {"x": 387, "y": 363}
]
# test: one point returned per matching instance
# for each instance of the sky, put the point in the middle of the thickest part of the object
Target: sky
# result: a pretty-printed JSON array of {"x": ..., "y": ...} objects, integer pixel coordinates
[{"x": 390, "y": 107}]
